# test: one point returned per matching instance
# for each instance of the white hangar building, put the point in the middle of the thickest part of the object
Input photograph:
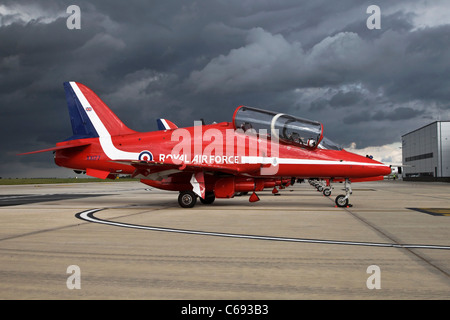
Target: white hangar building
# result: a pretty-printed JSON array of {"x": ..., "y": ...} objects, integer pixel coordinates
[{"x": 426, "y": 153}]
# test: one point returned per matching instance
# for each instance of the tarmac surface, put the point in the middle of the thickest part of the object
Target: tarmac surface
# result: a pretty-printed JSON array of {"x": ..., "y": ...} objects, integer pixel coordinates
[{"x": 130, "y": 242}]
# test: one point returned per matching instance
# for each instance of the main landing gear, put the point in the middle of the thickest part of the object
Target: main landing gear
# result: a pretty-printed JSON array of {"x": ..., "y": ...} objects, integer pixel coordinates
[
  {"x": 342, "y": 200},
  {"x": 188, "y": 198}
]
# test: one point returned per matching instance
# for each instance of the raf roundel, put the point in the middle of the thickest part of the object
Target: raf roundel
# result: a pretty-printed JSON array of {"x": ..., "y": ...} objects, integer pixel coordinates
[{"x": 145, "y": 156}]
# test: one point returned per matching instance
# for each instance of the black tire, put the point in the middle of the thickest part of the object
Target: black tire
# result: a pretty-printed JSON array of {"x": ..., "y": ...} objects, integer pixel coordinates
[
  {"x": 340, "y": 202},
  {"x": 327, "y": 192},
  {"x": 209, "y": 198},
  {"x": 187, "y": 199}
]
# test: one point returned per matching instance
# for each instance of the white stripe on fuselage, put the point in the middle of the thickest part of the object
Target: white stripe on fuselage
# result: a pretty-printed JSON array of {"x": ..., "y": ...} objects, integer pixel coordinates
[
  {"x": 276, "y": 160},
  {"x": 105, "y": 138}
]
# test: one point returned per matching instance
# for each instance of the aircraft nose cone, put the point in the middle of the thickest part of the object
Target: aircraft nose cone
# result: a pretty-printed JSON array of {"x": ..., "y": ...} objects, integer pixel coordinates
[
  {"x": 377, "y": 168},
  {"x": 385, "y": 170},
  {"x": 381, "y": 169}
]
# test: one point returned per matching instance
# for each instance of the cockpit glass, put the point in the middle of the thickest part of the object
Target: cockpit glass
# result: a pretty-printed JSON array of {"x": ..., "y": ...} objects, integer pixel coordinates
[
  {"x": 285, "y": 127},
  {"x": 328, "y": 144}
]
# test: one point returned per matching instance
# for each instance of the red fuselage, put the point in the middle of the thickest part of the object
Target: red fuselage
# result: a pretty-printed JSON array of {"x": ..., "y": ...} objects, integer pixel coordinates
[
  {"x": 258, "y": 149},
  {"x": 292, "y": 161}
]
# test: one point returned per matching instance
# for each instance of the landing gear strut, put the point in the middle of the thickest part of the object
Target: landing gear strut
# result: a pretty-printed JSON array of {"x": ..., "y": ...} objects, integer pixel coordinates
[
  {"x": 327, "y": 189},
  {"x": 209, "y": 198},
  {"x": 323, "y": 186},
  {"x": 342, "y": 200}
]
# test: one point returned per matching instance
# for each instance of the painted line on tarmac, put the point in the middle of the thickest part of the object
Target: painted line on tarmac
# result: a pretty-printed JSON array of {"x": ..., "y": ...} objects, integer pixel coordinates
[{"x": 88, "y": 215}]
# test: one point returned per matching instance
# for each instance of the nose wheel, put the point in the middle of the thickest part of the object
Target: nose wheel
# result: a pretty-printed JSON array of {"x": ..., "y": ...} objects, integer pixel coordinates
[{"x": 342, "y": 200}]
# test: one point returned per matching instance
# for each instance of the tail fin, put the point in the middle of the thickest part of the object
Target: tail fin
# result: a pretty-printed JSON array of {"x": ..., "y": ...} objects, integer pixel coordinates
[
  {"x": 89, "y": 115},
  {"x": 164, "y": 124}
]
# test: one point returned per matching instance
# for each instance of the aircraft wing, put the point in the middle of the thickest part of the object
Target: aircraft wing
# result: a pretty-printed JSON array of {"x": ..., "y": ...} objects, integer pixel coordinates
[
  {"x": 170, "y": 176},
  {"x": 150, "y": 169}
]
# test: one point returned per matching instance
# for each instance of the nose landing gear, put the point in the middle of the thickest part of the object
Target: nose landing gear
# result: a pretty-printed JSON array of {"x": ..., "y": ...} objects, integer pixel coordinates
[
  {"x": 327, "y": 191},
  {"x": 323, "y": 186},
  {"x": 342, "y": 200}
]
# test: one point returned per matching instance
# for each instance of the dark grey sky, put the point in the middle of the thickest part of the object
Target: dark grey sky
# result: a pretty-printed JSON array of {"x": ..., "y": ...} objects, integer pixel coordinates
[{"x": 186, "y": 60}]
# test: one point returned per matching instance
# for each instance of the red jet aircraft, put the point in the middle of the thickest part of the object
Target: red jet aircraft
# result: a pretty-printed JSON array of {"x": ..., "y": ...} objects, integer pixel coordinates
[{"x": 258, "y": 149}]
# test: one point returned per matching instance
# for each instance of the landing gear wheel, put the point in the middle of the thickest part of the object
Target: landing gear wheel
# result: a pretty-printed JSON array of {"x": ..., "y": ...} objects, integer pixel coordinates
[
  {"x": 187, "y": 199},
  {"x": 209, "y": 198},
  {"x": 327, "y": 192},
  {"x": 320, "y": 188},
  {"x": 341, "y": 201}
]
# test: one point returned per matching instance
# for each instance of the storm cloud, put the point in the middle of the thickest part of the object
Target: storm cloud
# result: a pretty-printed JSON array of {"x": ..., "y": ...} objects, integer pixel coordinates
[{"x": 186, "y": 60}]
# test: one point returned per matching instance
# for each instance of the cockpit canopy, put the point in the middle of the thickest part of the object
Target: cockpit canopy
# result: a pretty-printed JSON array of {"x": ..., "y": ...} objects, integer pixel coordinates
[
  {"x": 328, "y": 144},
  {"x": 286, "y": 128}
]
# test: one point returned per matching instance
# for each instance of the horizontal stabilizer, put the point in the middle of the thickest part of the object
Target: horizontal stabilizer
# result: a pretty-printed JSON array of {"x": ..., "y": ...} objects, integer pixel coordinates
[
  {"x": 101, "y": 174},
  {"x": 61, "y": 147}
]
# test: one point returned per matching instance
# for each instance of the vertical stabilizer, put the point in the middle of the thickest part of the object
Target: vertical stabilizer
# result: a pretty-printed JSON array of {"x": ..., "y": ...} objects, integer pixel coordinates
[{"x": 89, "y": 115}]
